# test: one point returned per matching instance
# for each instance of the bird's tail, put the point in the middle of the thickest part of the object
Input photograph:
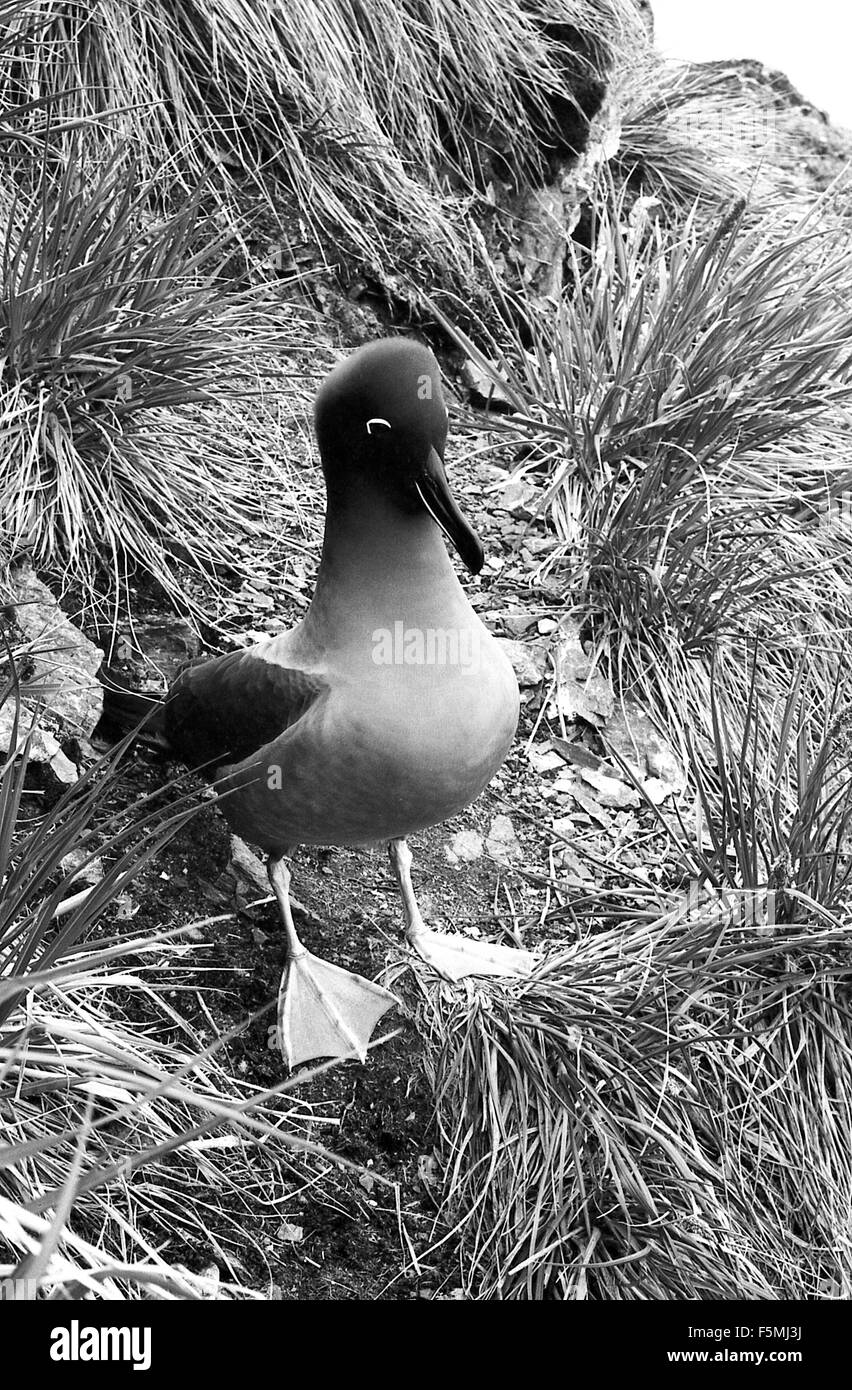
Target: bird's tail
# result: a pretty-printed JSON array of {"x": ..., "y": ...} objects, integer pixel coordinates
[{"x": 126, "y": 711}]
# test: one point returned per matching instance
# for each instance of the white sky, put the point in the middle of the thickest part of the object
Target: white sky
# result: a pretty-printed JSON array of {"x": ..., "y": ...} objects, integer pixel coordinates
[{"x": 809, "y": 42}]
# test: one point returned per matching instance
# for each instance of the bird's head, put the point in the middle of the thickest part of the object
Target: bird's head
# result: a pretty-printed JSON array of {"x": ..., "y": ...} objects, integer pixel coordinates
[{"x": 381, "y": 424}]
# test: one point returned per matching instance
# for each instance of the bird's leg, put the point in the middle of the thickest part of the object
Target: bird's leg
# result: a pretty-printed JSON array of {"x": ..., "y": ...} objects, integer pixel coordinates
[
  {"x": 451, "y": 956},
  {"x": 400, "y": 858},
  {"x": 323, "y": 1011},
  {"x": 279, "y": 877}
]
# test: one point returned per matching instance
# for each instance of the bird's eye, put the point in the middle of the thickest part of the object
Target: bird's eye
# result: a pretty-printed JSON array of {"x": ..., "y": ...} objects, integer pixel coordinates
[{"x": 377, "y": 420}]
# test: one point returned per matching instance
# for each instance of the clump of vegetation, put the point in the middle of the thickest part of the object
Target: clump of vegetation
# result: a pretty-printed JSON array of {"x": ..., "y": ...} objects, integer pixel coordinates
[
  {"x": 655, "y": 1114},
  {"x": 119, "y": 340},
  {"x": 119, "y": 1120},
  {"x": 775, "y": 811},
  {"x": 685, "y": 138},
  {"x": 660, "y": 1112},
  {"x": 374, "y": 124},
  {"x": 684, "y": 401}
]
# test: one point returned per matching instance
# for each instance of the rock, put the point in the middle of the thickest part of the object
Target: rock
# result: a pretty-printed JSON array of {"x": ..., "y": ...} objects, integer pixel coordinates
[
  {"x": 656, "y": 790},
  {"x": 487, "y": 387},
  {"x": 547, "y": 215},
  {"x": 465, "y": 847},
  {"x": 250, "y": 597},
  {"x": 166, "y": 644},
  {"x": 529, "y": 661},
  {"x": 537, "y": 545},
  {"x": 62, "y": 694},
  {"x": 564, "y": 827},
  {"x": 43, "y": 748},
  {"x": 632, "y": 735},
  {"x": 573, "y": 787},
  {"x": 517, "y": 623},
  {"x": 149, "y": 657},
  {"x": 575, "y": 753},
  {"x": 289, "y": 1232},
  {"x": 611, "y": 791},
  {"x": 575, "y": 870},
  {"x": 663, "y": 763},
  {"x": 75, "y": 865},
  {"x": 520, "y": 499},
  {"x": 246, "y": 868},
  {"x": 545, "y": 759},
  {"x": 580, "y": 692},
  {"x": 564, "y": 786},
  {"x": 502, "y": 843}
]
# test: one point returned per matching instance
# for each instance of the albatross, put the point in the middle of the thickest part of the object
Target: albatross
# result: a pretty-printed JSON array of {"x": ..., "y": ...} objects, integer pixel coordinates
[{"x": 387, "y": 709}]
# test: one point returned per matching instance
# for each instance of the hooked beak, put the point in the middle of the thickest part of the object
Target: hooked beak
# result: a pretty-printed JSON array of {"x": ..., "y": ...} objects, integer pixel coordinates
[{"x": 434, "y": 492}]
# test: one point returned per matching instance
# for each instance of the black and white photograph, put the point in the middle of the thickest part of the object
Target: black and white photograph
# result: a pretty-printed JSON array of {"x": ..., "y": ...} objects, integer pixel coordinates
[{"x": 425, "y": 671}]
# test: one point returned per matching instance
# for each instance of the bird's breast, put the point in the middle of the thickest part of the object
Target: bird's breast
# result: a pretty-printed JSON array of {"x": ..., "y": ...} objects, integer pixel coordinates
[{"x": 402, "y": 741}]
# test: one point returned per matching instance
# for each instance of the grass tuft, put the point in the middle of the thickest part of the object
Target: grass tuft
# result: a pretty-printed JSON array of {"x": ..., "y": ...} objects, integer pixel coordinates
[
  {"x": 685, "y": 402},
  {"x": 686, "y": 138},
  {"x": 118, "y": 343},
  {"x": 662, "y": 1112},
  {"x": 375, "y": 125},
  {"x": 123, "y": 1124}
]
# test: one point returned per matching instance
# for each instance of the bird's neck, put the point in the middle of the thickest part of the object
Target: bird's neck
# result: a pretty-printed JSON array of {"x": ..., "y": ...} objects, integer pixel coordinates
[{"x": 381, "y": 566}]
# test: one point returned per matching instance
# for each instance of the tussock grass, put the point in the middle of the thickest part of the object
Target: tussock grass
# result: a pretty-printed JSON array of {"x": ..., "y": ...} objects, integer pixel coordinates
[
  {"x": 672, "y": 344},
  {"x": 121, "y": 347},
  {"x": 375, "y": 123},
  {"x": 686, "y": 138},
  {"x": 771, "y": 815},
  {"x": 177, "y": 1153},
  {"x": 662, "y": 1112},
  {"x": 685, "y": 401},
  {"x": 123, "y": 1126}
]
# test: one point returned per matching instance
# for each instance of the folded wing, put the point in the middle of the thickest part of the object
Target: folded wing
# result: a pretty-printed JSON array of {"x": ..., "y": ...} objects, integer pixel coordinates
[{"x": 223, "y": 709}]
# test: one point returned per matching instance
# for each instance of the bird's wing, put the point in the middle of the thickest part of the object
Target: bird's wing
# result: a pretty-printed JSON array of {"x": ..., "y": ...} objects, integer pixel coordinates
[{"x": 225, "y": 708}]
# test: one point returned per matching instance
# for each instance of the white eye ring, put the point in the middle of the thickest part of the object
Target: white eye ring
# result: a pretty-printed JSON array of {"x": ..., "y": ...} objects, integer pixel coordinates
[{"x": 377, "y": 420}]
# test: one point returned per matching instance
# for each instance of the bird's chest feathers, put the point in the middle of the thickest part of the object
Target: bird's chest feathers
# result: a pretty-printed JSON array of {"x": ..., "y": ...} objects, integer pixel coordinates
[
  {"x": 421, "y": 703},
  {"x": 412, "y": 731},
  {"x": 436, "y": 705}
]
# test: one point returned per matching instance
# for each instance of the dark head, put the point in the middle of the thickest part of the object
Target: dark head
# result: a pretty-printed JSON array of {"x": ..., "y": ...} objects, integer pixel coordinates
[{"x": 381, "y": 424}]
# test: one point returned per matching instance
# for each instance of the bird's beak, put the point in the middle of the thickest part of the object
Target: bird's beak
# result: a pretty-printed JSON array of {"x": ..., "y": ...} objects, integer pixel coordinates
[{"x": 434, "y": 492}]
